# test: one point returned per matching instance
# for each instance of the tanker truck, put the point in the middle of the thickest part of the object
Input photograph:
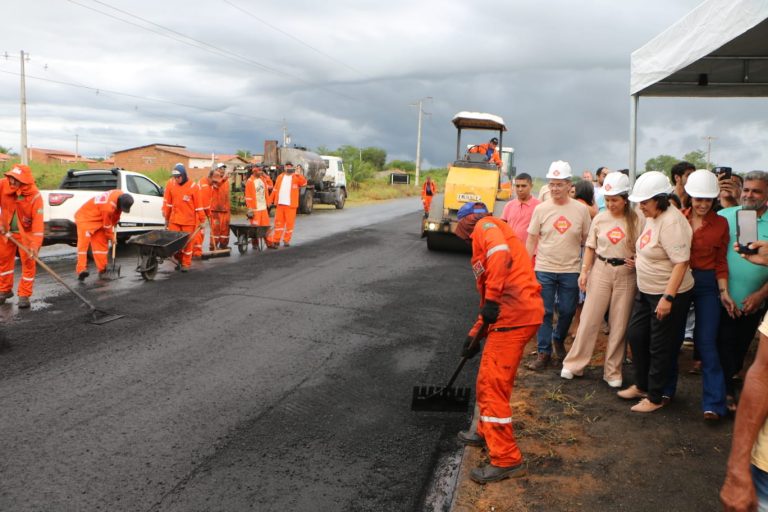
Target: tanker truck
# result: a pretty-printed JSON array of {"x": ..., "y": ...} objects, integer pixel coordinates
[{"x": 324, "y": 185}]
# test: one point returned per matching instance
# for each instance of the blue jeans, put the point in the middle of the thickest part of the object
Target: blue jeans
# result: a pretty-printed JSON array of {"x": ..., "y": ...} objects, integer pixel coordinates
[
  {"x": 706, "y": 301},
  {"x": 760, "y": 480},
  {"x": 564, "y": 286}
]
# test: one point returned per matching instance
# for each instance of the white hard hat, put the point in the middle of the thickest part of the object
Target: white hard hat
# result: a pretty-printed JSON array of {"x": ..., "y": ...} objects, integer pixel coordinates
[
  {"x": 615, "y": 183},
  {"x": 559, "y": 170},
  {"x": 702, "y": 184},
  {"x": 221, "y": 166},
  {"x": 648, "y": 185}
]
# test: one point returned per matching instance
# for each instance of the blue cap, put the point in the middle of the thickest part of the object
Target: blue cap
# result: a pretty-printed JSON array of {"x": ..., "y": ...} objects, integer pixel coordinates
[{"x": 470, "y": 208}]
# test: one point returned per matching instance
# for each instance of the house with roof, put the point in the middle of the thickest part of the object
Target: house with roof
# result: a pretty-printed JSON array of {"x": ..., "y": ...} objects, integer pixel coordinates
[
  {"x": 58, "y": 156},
  {"x": 160, "y": 156}
]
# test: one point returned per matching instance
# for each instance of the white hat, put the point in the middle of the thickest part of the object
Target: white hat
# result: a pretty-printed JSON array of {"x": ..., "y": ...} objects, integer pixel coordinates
[
  {"x": 559, "y": 170},
  {"x": 650, "y": 184},
  {"x": 702, "y": 184},
  {"x": 615, "y": 183}
]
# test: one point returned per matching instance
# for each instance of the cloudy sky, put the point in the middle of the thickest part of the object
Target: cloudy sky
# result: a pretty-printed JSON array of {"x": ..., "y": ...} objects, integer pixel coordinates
[{"x": 221, "y": 75}]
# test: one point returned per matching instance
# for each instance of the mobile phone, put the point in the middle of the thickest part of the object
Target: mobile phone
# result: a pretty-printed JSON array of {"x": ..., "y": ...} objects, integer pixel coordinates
[
  {"x": 746, "y": 230},
  {"x": 727, "y": 171}
]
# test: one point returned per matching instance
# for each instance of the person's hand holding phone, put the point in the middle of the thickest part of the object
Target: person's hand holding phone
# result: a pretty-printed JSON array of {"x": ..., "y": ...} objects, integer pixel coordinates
[{"x": 760, "y": 257}]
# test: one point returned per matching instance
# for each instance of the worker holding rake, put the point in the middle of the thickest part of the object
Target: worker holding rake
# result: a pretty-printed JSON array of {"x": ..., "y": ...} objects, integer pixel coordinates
[{"x": 511, "y": 312}]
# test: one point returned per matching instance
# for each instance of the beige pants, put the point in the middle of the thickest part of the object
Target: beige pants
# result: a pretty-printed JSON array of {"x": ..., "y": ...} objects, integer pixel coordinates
[{"x": 606, "y": 286}]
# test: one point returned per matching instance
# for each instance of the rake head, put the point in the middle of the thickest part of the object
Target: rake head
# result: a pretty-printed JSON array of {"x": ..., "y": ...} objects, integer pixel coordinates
[{"x": 440, "y": 399}]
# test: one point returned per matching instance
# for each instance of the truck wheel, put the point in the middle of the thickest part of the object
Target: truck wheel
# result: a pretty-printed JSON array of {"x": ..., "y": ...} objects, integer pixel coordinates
[
  {"x": 341, "y": 200},
  {"x": 307, "y": 203}
]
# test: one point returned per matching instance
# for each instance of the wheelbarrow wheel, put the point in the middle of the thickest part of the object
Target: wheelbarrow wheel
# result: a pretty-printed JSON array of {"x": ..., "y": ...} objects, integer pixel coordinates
[
  {"x": 242, "y": 243},
  {"x": 148, "y": 266}
]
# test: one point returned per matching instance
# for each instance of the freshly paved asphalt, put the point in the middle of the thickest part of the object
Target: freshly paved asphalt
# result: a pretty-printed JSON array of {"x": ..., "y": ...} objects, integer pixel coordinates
[{"x": 269, "y": 381}]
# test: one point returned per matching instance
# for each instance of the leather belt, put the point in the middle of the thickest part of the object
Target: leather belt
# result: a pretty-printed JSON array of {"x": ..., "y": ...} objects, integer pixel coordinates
[{"x": 616, "y": 262}]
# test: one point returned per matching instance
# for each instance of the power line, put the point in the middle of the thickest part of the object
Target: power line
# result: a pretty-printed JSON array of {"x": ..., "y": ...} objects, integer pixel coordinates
[
  {"x": 146, "y": 98},
  {"x": 288, "y": 34},
  {"x": 201, "y": 45}
]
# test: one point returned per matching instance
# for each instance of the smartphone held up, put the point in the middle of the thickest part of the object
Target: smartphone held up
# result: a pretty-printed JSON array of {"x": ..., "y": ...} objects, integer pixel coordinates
[{"x": 746, "y": 230}]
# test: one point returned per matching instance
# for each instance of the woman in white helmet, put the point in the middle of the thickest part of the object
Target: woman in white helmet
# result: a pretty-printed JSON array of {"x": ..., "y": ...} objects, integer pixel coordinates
[
  {"x": 709, "y": 248},
  {"x": 664, "y": 284},
  {"x": 608, "y": 275}
]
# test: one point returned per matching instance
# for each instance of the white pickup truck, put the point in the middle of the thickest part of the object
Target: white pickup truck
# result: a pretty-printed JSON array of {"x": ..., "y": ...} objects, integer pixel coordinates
[{"x": 59, "y": 206}]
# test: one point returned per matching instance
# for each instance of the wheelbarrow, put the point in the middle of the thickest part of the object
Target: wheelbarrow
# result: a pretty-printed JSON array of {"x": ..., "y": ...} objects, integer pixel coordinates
[
  {"x": 156, "y": 246},
  {"x": 246, "y": 233}
]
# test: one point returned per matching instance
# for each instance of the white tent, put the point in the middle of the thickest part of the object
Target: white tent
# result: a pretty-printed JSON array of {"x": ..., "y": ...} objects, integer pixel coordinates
[{"x": 720, "y": 49}]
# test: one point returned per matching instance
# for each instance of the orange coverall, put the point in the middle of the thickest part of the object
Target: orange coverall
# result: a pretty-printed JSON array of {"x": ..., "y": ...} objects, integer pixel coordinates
[
  {"x": 257, "y": 199},
  {"x": 220, "y": 207},
  {"x": 183, "y": 211},
  {"x": 428, "y": 191},
  {"x": 204, "y": 184},
  {"x": 504, "y": 274},
  {"x": 287, "y": 203},
  {"x": 484, "y": 149},
  {"x": 96, "y": 222},
  {"x": 21, "y": 214}
]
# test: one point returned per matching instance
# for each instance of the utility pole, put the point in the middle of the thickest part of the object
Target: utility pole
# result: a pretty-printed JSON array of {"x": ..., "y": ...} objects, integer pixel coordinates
[
  {"x": 709, "y": 149},
  {"x": 418, "y": 138},
  {"x": 23, "y": 96}
]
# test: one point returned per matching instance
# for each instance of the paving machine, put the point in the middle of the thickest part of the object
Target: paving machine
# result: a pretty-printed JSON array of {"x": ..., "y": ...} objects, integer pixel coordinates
[{"x": 470, "y": 179}]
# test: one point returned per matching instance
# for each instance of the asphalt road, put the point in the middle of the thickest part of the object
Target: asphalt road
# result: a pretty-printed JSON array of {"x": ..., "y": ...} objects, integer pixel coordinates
[{"x": 269, "y": 381}]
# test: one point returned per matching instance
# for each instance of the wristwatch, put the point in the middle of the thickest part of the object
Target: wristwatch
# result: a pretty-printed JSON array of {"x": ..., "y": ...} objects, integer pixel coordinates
[{"x": 669, "y": 297}]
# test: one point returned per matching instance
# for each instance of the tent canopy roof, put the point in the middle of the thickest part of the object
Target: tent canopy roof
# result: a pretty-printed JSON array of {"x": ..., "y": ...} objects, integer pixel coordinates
[{"x": 720, "y": 49}]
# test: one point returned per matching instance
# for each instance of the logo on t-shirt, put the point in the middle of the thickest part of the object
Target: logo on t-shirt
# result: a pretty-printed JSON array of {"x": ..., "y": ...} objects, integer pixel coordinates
[
  {"x": 645, "y": 238},
  {"x": 616, "y": 235},
  {"x": 562, "y": 224}
]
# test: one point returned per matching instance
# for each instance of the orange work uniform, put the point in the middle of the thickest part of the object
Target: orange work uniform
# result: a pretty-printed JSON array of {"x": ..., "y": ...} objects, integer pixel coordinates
[
  {"x": 428, "y": 191},
  {"x": 183, "y": 211},
  {"x": 220, "y": 212},
  {"x": 257, "y": 200},
  {"x": 204, "y": 186},
  {"x": 486, "y": 149},
  {"x": 504, "y": 275},
  {"x": 21, "y": 215},
  {"x": 286, "y": 196},
  {"x": 96, "y": 222}
]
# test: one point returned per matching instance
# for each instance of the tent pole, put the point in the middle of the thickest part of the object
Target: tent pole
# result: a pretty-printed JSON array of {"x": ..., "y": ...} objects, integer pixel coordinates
[{"x": 635, "y": 101}]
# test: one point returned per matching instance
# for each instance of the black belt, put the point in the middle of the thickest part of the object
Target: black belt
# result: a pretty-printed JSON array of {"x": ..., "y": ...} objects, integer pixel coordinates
[{"x": 616, "y": 262}]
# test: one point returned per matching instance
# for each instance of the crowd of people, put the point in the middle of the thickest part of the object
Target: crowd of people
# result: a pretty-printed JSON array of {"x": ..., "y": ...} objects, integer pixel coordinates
[
  {"x": 646, "y": 260},
  {"x": 187, "y": 207}
]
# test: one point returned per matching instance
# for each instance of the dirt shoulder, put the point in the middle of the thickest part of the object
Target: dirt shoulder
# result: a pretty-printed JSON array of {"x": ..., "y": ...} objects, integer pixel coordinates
[{"x": 585, "y": 450}]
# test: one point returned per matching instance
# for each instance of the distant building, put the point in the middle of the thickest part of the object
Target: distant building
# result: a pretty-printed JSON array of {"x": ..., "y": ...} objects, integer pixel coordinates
[{"x": 58, "y": 156}]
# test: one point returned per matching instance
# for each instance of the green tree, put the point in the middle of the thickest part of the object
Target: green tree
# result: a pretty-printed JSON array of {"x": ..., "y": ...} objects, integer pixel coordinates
[
  {"x": 404, "y": 165},
  {"x": 358, "y": 172},
  {"x": 698, "y": 158},
  {"x": 375, "y": 156},
  {"x": 661, "y": 163},
  {"x": 244, "y": 153}
]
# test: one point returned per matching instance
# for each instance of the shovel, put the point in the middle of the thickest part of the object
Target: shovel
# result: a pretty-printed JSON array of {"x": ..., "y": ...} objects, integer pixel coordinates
[
  {"x": 446, "y": 398},
  {"x": 113, "y": 272},
  {"x": 98, "y": 316}
]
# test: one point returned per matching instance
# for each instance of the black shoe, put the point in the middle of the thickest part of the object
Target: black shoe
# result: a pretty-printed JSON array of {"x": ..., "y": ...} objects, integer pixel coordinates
[
  {"x": 491, "y": 473},
  {"x": 286, "y": 244},
  {"x": 4, "y": 296},
  {"x": 82, "y": 275},
  {"x": 184, "y": 269},
  {"x": 23, "y": 303},
  {"x": 559, "y": 349},
  {"x": 470, "y": 438}
]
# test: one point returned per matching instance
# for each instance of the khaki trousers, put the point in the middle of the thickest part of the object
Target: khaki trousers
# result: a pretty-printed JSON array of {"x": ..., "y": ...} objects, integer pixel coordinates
[{"x": 606, "y": 286}]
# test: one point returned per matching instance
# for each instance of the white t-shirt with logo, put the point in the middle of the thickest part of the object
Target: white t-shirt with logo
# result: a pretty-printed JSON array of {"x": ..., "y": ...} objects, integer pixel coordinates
[{"x": 562, "y": 230}]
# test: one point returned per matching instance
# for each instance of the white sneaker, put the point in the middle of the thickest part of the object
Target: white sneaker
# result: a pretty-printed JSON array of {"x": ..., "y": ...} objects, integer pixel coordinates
[
  {"x": 616, "y": 383},
  {"x": 565, "y": 373}
]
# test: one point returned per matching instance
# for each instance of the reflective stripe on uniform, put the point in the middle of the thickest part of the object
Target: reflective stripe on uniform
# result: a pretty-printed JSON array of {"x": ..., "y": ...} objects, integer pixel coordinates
[
  {"x": 6, "y": 273},
  {"x": 491, "y": 419},
  {"x": 28, "y": 278},
  {"x": 497, "y": 248}
]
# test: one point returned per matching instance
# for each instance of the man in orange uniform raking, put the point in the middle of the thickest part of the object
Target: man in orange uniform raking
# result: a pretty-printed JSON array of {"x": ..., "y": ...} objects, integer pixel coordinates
[
  {"x": 286, "y": 196},
  {"x": 21, "y": 217},
  {"x": 183, "y": 210},
  {"x": 511, "y": 312},
  {"x": 96, "y": 223}
]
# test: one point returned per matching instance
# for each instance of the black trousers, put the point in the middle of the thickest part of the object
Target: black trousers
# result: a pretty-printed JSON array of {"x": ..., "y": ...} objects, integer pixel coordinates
[
  {"x": 655, "y": 342},
  {"x": 734, "y": 337}
]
